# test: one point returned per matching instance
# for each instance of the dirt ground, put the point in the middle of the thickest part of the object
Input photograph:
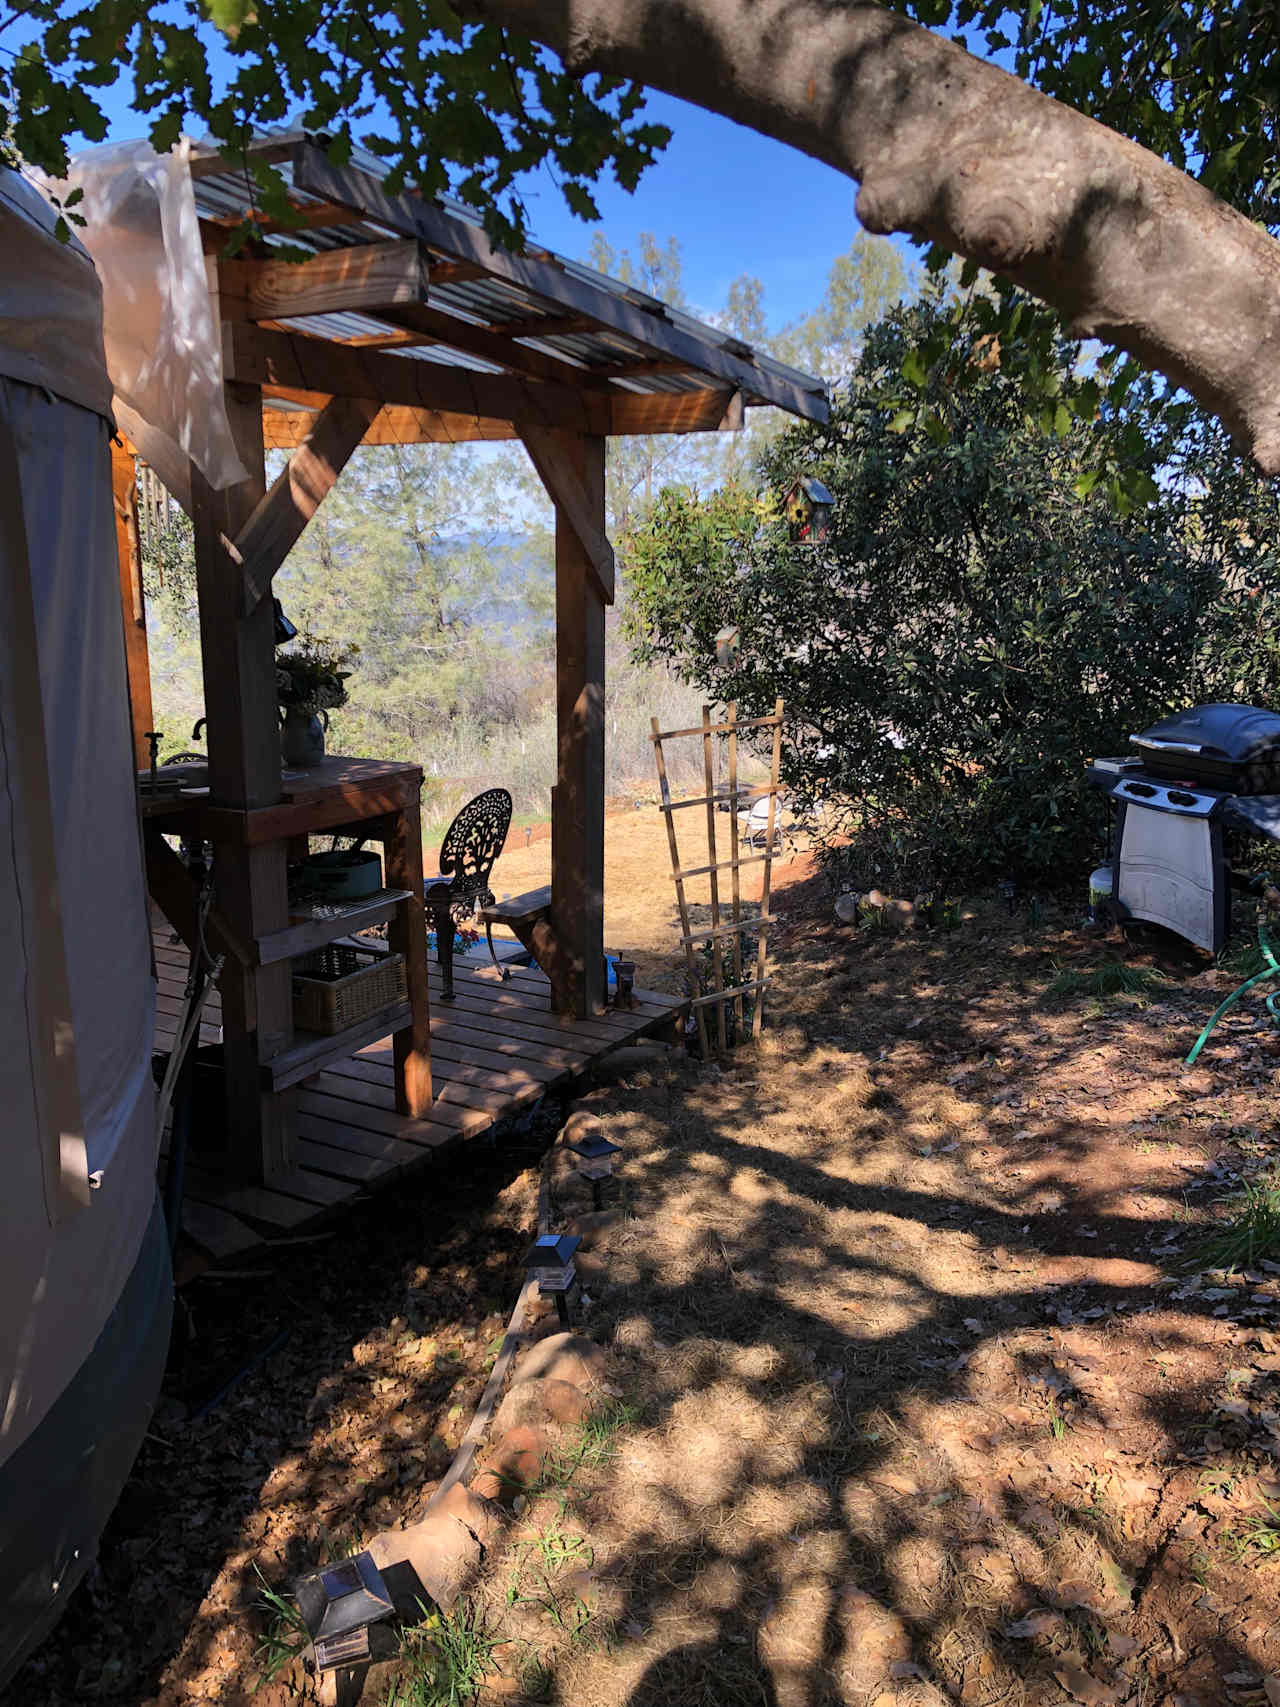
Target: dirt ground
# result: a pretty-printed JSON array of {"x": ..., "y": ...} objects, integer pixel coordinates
[
  {"x": 918, "y": 1401},
  {"x": 925, "y": 1409}
]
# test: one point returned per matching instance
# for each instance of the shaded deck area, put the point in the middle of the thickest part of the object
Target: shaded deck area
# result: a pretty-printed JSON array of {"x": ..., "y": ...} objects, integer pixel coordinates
[{"x": 494, "y": 1051}]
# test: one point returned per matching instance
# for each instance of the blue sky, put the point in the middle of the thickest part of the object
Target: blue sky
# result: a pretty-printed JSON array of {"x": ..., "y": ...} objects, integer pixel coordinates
[{"x": 738, "y": 202}]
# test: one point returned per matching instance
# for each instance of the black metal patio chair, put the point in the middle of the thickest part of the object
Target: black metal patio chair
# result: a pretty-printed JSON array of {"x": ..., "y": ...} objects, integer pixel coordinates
[{"x": 471, "y": 845}]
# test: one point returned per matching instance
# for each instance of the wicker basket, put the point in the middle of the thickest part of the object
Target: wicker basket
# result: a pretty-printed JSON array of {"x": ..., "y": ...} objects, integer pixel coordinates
[{"x": 335, "y": 986}]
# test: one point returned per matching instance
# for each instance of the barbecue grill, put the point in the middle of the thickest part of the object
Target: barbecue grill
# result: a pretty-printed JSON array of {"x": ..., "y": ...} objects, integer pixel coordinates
[{"x": 1202, "y": 777}]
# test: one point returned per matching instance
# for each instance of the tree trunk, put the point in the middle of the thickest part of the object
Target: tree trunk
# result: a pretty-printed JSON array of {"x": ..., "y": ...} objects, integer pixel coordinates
[{"x": 949, "y": 148}]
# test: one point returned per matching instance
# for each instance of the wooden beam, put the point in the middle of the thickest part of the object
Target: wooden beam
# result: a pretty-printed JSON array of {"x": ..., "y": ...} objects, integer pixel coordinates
[
  {"x": 577, "y": 800},
  {"x": 556, "y": 463},
  {"x": 478, "y": 340},
  {"x": 546, "y": 326},
  {"x": 158, "y": 451},
  {"x": 674, "y": 412},
  {"x": 369, "y": 277},
  {"x": 238, "y": 654},
  {"x": 310, "y": 474},
  {"x": 285, "y": 429},
  {"x": 454, "y": 272},
  {"x": 290, "y": 362},
  {"x": 399, "y": 424},
  {"x": 133, "y": 608},
  {"x": 414, "y": 217}
]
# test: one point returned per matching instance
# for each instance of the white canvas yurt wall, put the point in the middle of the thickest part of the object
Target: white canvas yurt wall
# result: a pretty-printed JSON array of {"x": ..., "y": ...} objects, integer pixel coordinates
[{"x": 84, "y": 1275}]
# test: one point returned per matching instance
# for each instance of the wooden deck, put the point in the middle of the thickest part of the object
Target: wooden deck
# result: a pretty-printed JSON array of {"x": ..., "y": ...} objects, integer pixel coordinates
[{"x": 494, "y": 1050}]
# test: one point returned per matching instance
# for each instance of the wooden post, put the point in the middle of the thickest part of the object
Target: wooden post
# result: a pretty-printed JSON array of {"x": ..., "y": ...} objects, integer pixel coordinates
[
  {"x": 124, "y": 486},
  {"x": 407, "y": 935},
  {"x": 238, "y": 653},
  {"x": 577, "y": 801}
]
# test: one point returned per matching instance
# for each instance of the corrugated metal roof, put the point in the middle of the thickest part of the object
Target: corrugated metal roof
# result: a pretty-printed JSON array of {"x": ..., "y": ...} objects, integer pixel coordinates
[{"x": 489, "y": 302}]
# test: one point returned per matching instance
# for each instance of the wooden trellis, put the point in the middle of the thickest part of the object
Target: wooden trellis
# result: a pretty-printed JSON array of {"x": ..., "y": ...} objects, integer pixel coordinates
[{"x": 735, "y": 925}]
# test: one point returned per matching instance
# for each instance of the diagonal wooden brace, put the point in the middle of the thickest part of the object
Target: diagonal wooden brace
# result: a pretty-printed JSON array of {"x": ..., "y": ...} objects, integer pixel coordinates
[
  {"x": 561, "y": 479},
  {"x": 277, "y": 522}
]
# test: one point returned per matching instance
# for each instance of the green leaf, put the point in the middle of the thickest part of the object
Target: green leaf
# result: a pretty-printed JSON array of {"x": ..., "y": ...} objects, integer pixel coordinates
[
  {"x": 914, "y": 370},
  {"x": 1086, "y": 482},
  {"x": 231, "y": 16},
  {"x": 902, "y": 421}
]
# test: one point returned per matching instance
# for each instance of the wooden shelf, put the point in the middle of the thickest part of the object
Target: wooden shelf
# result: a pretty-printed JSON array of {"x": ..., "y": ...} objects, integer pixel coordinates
[
  {"x": 307, "y": 934},
  {"x": 312, "y": 1051}
]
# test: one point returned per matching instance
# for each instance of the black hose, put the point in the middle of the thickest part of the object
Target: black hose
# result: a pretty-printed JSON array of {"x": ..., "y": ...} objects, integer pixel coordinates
[{"x": 179, "y": 1135}]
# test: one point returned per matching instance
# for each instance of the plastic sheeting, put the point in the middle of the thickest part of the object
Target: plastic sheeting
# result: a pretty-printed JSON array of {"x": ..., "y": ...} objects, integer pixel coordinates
[
  {"x": 60, "y": 1277},
  {"x": 50, "y": 303},
  {"x": 163, "y": 345}
]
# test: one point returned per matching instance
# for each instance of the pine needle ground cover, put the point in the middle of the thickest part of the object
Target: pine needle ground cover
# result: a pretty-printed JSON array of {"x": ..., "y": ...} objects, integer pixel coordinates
[{"x": 928, "y": 1406}]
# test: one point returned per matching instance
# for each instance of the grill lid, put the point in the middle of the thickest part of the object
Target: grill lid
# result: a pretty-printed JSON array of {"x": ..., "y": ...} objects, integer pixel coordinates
[{"x": 1230, "y": 734}]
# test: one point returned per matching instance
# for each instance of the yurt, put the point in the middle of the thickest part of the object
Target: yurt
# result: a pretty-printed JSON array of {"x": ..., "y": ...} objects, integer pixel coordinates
[{"x": 86, "y": 1293}]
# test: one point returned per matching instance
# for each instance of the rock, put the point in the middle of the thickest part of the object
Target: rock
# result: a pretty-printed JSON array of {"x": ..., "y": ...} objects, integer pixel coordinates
[
  {"x": 562, "y": 1357},
  {"x": 635, "y": 1058},
  {"x": 511, "y": 1465},
  {"x": 535, "y": 1403},
  {"x": 582, "y": 1123},
  {"x": 443, "y": 1551}
]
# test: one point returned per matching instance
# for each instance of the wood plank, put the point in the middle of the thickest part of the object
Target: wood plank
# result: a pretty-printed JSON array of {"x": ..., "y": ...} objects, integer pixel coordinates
[
  {"x": 287, "y": 359},
  {"x": 358, "y": 1142},
  {"x": 557, "y": 467},
  {"x": 325, "y": 1159},
  {"x": 258, "y": 1203},
  {"x": 216, "y": 1231},
  {"x": 304, "y": 935},
  {"x": 649, "y": 328},
  {"x": 526, "y": 906},
  {"x": 337, "y": 1081},
  {"x": 277, "y": 522},
  {"x": 133, "y": 607},
  {"x": 429, "y": 1133},
  {"x": 771, "y": 722},
  {"x": 369, "y": 276},
  {"x": 311, "y": 1051}
]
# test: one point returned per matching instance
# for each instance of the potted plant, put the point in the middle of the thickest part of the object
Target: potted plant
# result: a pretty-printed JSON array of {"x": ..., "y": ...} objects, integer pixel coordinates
[{"x": 309, "y": 685}]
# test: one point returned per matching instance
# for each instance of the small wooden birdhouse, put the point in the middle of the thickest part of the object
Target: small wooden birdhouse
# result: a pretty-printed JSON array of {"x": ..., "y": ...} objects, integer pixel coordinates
[{"x": 808, "y": 507}]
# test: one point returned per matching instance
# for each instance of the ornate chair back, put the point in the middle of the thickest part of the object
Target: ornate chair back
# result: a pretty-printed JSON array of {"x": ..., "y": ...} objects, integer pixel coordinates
[{"x": 471, "y": 845}]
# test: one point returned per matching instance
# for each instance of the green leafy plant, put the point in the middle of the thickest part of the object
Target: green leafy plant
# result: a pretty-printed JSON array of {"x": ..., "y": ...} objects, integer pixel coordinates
[
  {"x": 949, "y": 654},
  {"x": 444, "y": 1659},
  {"x": 285, "y": 1634}
]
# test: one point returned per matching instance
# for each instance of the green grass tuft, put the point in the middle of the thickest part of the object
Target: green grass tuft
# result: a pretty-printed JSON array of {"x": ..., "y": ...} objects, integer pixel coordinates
[
  {"x": 1113, "y": 979},
  {"x": 285, "y": 1636},
  {"x": 1251, "y": 1235},
  {"x": 444, "y": 1660}
]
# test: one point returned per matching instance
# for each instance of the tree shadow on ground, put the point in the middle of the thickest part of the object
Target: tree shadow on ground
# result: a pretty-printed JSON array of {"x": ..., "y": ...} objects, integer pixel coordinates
[{"x": 925, "y": 1413}]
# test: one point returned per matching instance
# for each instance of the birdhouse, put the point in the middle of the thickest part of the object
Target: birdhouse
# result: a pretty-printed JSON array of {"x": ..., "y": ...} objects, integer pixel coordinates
[
  {"x": 728, "y": 645},
  {"x": 808, "y": 509}
]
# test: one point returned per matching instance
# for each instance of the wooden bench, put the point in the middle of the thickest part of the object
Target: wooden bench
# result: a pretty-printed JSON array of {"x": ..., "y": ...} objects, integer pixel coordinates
[{"x": 528, "y": 918}]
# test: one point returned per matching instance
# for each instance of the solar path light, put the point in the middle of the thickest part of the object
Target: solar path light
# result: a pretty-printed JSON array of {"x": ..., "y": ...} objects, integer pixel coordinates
[
  {"x": 595, "y": 1162},
  {"x": 550, "y": 1258},
  {"x": 339, "y": 1605}
]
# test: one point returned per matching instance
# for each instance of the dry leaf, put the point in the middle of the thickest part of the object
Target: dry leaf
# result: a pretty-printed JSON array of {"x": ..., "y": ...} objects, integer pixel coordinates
[
  {"x": 1035, "y": 1624},
  {"x": 1076, "y": 1681}
]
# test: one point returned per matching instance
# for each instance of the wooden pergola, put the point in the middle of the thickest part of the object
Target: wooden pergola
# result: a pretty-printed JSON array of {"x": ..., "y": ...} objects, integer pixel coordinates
[{"x": 405, "y": 325}]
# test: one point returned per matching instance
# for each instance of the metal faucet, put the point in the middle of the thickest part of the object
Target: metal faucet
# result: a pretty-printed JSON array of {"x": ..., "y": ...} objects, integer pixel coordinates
[{"x": 153, "y": 739}]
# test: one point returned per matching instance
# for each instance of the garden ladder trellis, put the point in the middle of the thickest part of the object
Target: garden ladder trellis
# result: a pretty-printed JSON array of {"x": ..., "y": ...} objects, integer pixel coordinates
[{"x": 729, "y": 729}]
